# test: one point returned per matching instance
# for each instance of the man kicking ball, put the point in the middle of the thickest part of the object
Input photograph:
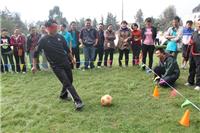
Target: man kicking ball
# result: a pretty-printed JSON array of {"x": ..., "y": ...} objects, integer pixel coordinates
[{"x": 58, "y": 55}]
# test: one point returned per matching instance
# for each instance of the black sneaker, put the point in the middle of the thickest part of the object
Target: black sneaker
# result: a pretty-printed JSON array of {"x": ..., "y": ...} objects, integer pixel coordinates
[
  {"x": 65, "y": 97},
  {"x": 79, "y": 105}
]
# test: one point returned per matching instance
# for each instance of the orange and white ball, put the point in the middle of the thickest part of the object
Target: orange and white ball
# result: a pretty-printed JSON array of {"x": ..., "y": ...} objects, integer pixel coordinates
[{"x": 106, "y": 100}]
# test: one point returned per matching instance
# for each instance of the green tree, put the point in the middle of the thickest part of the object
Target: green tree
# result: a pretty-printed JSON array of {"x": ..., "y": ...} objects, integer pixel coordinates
[
  {"x": 56, "y": 14},
  {"x": 111, "y": 19},
  {"x": 139, "y": 17},
  {"x": 94, "y": 23},
  {"x": 166, "y": 17},
  {"x": 80, "y": 23},
  {"x": 11, "y": 20}
]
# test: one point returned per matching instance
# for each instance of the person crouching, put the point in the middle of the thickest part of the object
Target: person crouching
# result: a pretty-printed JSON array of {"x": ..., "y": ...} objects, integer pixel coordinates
[{"x": 167, "y": 72}]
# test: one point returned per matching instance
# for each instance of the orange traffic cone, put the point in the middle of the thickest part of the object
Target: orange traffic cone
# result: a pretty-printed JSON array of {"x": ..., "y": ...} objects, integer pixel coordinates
[
  {"x": 185, "y": 120},
  {"x": 156, "y": 92}
]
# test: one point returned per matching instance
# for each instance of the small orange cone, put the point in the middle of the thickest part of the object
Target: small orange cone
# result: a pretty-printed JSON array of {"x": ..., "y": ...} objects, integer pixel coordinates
[
  {"x": 156, "y": 92},
  {"x": 185, "y": 120}
]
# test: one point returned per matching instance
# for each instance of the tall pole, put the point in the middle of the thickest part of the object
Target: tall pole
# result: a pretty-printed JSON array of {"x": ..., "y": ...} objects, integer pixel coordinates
[{"x": 122, "y": 10}]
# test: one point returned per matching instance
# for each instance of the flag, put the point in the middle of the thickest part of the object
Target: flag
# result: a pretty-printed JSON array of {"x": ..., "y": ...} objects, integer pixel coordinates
[{"x": 187, "y": 102}]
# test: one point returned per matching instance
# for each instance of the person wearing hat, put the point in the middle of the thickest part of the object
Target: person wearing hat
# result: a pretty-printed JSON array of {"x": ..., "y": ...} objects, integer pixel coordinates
[
  {"x": 58, "y": 54},
  {"x": 149, "y": 33}
]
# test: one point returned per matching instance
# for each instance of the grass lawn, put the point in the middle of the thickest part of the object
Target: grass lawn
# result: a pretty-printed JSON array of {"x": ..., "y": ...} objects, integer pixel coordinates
[{"x": 30, "y": 103}]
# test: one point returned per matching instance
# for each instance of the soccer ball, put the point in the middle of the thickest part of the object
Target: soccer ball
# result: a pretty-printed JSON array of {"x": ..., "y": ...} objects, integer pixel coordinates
[{"x": 106, "y": 100}]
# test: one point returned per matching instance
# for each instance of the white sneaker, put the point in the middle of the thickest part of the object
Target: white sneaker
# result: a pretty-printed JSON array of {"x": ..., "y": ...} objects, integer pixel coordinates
[
  {"x": 98, "y": 66},
  {"x": 197, "y": 88},
  {"x": 188, "y": 84}
]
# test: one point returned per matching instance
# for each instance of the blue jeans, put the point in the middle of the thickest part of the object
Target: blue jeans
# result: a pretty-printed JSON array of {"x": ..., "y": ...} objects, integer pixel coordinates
[
  {"x": 89, "y": 53},
  {"x": 44, "y": 61}
]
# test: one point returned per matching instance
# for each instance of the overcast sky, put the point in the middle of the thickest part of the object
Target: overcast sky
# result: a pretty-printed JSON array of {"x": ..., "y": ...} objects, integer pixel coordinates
[{"x": 34, "y": 10}]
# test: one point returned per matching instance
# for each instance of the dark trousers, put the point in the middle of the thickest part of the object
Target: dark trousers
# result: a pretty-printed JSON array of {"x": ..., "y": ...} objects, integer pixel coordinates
[
  {"x": 2, "y": 66},
  {"x": 169, "y": 79},
  {"x": 99, "y": 52},
  {"x": 64, "y": 74},
  {"x": 31, "y": 57},
  {"x": 22, "y": 59},
  {"x": 75, "y": 53},
  {"x": 157, "y": 41},
  {"x": 121, "y": 53},
  {"x": 194, "y": 70},
  {"x": 5, "y": 59},
  {"x": 108, "y": 52},
  {"x": 147, "y": 49},
  {"x": 136, "y": 53},
  {"x": 185, "y": 52}
]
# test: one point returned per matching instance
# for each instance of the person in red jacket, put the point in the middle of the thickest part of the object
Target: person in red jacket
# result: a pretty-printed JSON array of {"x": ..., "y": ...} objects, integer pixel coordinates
[
  {"x": 17, "y": 40},
  {"x": 136, "y": 43}
]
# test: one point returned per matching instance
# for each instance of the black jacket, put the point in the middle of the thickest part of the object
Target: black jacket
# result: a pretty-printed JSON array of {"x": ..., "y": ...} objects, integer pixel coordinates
[
  {"x": 55, "y": 49},
  {"x": 30, "y": 41},
  {"x": 101, "y": 39},
  {"x": 7, "y": 48},
  {"x": 196, "y": 43},
  {"x": 171, "y": 67},
  {"x": 154, "y": 31}
]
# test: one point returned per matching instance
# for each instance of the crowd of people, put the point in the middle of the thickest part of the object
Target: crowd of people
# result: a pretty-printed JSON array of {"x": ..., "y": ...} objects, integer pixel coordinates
[{"x": 99, "y": 44}]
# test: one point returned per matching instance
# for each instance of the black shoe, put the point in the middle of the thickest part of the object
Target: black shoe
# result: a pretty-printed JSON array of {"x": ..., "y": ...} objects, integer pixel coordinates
[
  {"x": 143, "y": 67},
  {"x": 92, "y": 66},
  {"x": 79, "y": 105},
  {"x": 65, "y": 98}
]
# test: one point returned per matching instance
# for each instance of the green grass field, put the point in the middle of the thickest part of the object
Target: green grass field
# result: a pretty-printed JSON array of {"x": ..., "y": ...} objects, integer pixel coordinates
[{"x": 30, "y": 103}]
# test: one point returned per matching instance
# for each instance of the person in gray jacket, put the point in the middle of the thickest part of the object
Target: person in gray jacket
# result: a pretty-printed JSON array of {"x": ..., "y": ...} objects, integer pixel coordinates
[{"x": 89, "y": 40}]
